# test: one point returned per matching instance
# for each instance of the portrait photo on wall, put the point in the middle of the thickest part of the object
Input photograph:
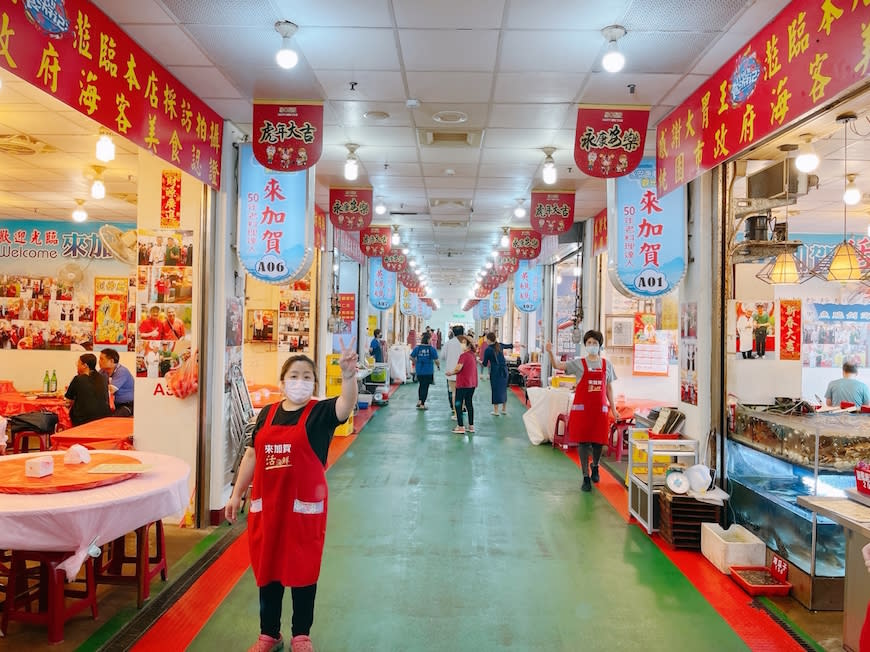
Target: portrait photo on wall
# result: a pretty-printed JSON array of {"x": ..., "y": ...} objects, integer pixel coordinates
[
  {"x": 755, "y": 328},
  {"x": 156, "y": 358},
  {"x": 165, "y": 248},
  {"x": 261, "y": 325}
]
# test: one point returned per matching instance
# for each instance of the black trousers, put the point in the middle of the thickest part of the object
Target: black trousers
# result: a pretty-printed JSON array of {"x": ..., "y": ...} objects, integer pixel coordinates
[
  {"x": 423, "y": 388},
  {"x": 271, "y": 597},
  {"x": 584, "y": 456},
  {"x": 463, "y": 397},
  {"x": 760, "y": 341}
]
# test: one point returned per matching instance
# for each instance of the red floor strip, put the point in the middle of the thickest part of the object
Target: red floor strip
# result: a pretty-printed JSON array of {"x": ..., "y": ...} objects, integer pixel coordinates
[{"x": 758, "y": 630}]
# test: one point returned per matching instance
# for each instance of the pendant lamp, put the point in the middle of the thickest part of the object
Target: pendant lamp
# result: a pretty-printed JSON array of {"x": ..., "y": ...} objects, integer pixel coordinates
[{"x": 845, "y": 263}]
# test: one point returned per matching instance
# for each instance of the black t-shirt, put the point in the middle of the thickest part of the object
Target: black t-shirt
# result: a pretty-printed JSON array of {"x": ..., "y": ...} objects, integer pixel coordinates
[
  {"x": 90, "y": 396},
  {"x": 320, "y": 426}
]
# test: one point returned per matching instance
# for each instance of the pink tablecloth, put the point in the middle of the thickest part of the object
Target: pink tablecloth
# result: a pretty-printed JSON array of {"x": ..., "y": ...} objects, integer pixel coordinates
[
  {"x": 15, "y": 403},
  {"x": 72, "y": 521}
]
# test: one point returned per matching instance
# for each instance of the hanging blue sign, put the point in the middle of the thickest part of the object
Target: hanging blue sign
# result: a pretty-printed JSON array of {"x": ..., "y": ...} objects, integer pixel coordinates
[
  {"x": 382, "y": 285},
  {"x": 648, "y": 249},
  {"x": 273, "y": 224},
  {"x": 528, "y": 286},
  {"x": 498, "y": 302},
  {"x": 838, "y": 312},
  {"x": 427, "y": 311},
  {"x": 483, "y": 308},
  {"x": 408, "y": 302},
  {"x": 475, "y": 311}
]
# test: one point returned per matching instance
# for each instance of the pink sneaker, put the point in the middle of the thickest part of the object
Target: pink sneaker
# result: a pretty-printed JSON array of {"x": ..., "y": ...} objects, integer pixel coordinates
[
  {"x": 267, "y": 644},
  {"x": 301, "y": 643}
]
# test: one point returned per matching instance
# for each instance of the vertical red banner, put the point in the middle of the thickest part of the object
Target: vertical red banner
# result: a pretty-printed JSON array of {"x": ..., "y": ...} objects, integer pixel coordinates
[
  {"x": 552, "y": 213},
  {"x": 599, "y": 233},
  {"x": 319, "y": 228},
  {"x": 375, "y": 240},
  {"x": 170, "y": 199},
  {"x": 347, "y": 306},
  {"x": 790, "y": 329}
]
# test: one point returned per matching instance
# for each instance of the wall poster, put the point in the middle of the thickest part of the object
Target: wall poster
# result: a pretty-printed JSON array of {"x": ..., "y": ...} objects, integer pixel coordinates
[{"x": 688, "y": 351}]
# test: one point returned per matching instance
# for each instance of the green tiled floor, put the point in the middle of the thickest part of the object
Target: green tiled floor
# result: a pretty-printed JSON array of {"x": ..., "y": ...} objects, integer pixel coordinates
[{"x": 444, "y": 542}]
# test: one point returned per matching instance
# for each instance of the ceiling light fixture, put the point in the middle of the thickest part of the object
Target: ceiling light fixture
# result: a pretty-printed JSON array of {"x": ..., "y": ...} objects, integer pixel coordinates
[
  {"x": 105, "y": 150},
  {"x": 395, "y": 241},
  {"x": 495, "y": 254},
  {"x": 520, "y": 210},
  {"x": 613, "y": 60},
  {"x": 286, "y": 57},
  {"x": 488, "y": 265},
  {"x": 405, "y": 251},
  {"x": 851, "y": 194},
  {"x": 505, "y": 241},
  {"x": 381, "y": 208},
  {"x": 412, "y": 263},
  {"x": 351, "y": 165},
  {"x": 807, "y": 160},
  {"x": 548, "y": 173},
  {"x": 79, "y": 214},
  {"x": 98, "y": 188}
]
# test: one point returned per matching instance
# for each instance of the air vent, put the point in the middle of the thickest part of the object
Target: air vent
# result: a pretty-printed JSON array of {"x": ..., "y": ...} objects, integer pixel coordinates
[
  {"x": 450, "y": 224},
  {"x": 438, "y": 138},
  {"x": 450, "y": 203},
  {"x": 23, "y": 145}
]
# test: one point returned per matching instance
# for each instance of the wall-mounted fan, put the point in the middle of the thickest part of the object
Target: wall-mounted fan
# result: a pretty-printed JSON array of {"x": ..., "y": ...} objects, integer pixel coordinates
[
  {"x": 122, "y": 244},
  {"x": 70, "y": 274}
]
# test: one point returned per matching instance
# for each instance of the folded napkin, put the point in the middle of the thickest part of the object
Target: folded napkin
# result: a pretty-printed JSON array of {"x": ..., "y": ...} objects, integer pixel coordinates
[{"x": 77, "y": 454}]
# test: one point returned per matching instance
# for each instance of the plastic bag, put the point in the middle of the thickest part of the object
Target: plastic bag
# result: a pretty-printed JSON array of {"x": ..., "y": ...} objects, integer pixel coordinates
[{"x": 184, "y": 380}]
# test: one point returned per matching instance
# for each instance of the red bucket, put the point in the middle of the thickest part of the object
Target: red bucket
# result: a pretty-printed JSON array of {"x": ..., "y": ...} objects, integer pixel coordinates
[{"x": 862, "y": 480}]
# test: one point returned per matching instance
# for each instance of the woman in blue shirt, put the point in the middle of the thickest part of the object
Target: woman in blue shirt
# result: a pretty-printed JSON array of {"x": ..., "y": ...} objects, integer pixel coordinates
[
  {"x": 425, "y": 357},
  {"x": 375, "y": 347},
  {"x": 493, "y": 358}
]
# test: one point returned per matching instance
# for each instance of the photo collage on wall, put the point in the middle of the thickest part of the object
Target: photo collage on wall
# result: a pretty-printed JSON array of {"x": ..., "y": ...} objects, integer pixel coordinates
[
  {"x": 294, "y": 317},
  {"x": 164, "y": 296},
  {"x": 834, "y": 334}
]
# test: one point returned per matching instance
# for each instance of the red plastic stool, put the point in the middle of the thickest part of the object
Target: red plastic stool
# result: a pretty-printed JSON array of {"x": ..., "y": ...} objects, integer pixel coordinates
[
  {"x": 44, "y": 440},
  {"x": 147, "y": 566},
  {"x": 617, "y": 440},
  {"x": 53, "y": 609},
  {"x": 559, "y": 438}
]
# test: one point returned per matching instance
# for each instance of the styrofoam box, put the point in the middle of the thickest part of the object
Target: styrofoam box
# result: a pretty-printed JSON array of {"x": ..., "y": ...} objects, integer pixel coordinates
[{"x": 735, "y": 546}]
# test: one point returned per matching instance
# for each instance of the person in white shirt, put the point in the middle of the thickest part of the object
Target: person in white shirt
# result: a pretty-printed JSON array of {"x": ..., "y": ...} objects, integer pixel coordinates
[
  {"x": 452, "y": 351},
  {"x": 158, "y": 253}
]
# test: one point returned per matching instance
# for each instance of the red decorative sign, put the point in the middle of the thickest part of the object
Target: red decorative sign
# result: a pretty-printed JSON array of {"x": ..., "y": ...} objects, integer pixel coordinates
[
  {"x": 319, "y": 228},
  {"x": 288, "y": 136},
  {"x": 506, "y": 263},
  {"x": 482, "y": 292},
  {"x": 470, "y": 304},
  {"x": 347, "y": 306},
  {"x": 75, "y": 53},
  {"x": 790, "y": 329},
  {"x": 525, "y": 244},
  {"x": 801, "y": 61},
  {"x": 350, "y": 209},
  {"x": 170, "y": 199},
  {"x": 394, "y": 261},
  {"x": 409, "y": 279},
  {"x": 609, "y": 140},
  {"x": 599, "y": 233},
  {"x": 348, "y": 244},
  {"x": 491, "y": 281},
  {"x": 375, "y": 240},
  {"x": 779, "y": 569},
  {"x": 552, "y": 213}
]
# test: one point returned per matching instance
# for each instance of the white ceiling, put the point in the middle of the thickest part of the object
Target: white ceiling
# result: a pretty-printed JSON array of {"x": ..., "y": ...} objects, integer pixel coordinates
[{"x": 517, "y": 68}]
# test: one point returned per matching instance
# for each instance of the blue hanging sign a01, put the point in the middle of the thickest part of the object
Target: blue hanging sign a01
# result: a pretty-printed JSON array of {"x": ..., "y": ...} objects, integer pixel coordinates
[
  {"x": 274, "y": 229},
  {"x": 382, "y": 285},
  {"x": 528, "y": 286},
  {"x": 647, "y": 250}
]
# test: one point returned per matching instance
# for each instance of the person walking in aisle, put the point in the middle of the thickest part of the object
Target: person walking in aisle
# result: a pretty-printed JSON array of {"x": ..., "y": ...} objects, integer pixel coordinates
[
  {"x": 452, "y": 351},
  {"x": 375, "y": 349},
  {"x": 493, "y": 358},
  {"x": 588, "y": 421},
  {"x": 285, "y": 458},
  {"x": 425, "y": 357},
  {"x": 465, "y": 372}
]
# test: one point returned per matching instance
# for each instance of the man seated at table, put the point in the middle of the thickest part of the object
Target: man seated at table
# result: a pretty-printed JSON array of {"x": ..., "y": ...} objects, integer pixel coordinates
[
  {"x": 120, "y": 382},
  {"x": 88, "y": 392},
  {"x": 847, "y": 389}
]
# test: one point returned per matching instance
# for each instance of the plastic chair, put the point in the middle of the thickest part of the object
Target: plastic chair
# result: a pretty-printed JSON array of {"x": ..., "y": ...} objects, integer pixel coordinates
[
  {"x": 147, "y": 566},
  {"x": 617, "y": 440},
  {"x": 560, "y": 438},
  {"x": 23, "y": 437}
]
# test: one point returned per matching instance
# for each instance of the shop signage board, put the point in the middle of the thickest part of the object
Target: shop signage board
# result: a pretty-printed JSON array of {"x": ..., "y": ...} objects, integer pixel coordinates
[
  {"x": 803, "y": 59},
  {"x": 528, "y": 286},
  {"x": 525, "y": 244},
  {"x": 609, "y": 140},
  {"x": 818, "y": 245},
  {"x": 347, "y": 306},
  {"x": 647, "y": 253},
  {"x": 552, "y": 212},
  {"x": 273, "y": 223},
  {"x": 498, "y": 301},
  {"x": 375, "y": 240},
  {"x": 288, "y": 134},
  {"x": 348, "y": 244},
  {"x": 599, "y": 233},
  {"x": 350, "y": 209},
  {"x": 382, "y": 286},
  {"x": 407, "y": 302},
  {"x": 75, "y": 53}
]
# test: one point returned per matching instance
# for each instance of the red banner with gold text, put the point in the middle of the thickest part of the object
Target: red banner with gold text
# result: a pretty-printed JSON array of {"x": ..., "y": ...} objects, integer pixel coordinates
[
  {"x": 375, "y": 240},
  {"x": 552, "y": 213},
  {"x": 803, "y": 59},
  {"x": 790, "y": 329},
  {"x": 75, "y": 53},
  {"x": 288, "y": 135},
  {"x": 394, "y": 261},
  {"x": 599, "y": 233},
  {"x": 319, "y": 228},
  {"x": 170, "y": 199},
  {"x": 525, "y": 244},
  {"x": 350, "y": 209},
  {"x": 609, "y": 140}
]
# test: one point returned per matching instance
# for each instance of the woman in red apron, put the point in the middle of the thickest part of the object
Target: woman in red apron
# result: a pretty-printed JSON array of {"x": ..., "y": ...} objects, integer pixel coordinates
[
  {"x": 589, "y": 419},
  {"x": 285, "y": 459}
]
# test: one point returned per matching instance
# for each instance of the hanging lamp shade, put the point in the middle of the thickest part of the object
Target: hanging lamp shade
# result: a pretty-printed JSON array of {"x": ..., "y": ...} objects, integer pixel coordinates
[
  {"x": 844, "y": 264},
  {"x": 786, "y": 268}
]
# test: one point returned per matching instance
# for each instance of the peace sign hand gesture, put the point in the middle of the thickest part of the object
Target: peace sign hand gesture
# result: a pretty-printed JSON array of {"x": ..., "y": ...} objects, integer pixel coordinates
[{"x": 348, "y": 360}]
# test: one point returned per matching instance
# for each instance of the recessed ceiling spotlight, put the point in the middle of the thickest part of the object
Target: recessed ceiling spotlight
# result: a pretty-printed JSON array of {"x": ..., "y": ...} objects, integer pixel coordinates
[
  {"x": 376, "y": 115},
  {"x": 450, "y": 117}
]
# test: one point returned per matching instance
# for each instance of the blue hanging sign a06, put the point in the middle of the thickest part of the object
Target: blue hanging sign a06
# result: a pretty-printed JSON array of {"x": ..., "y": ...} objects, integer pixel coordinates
[
  {"x": 382, "y": 285},
  {"x": 528, "y": 286},
  {"x": 274, "y": 231},
  {"x": 647, "y": 235}
]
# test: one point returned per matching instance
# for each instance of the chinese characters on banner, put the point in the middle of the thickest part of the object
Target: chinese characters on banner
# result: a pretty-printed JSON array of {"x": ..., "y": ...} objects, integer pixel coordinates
[
  {"x": 347, "y": 306},
  {"x": 789, "y": 329},
  {"x": 802, "y": 59},
  {"x": 552, "y": 213},
  {"x": 688, "y": 352},
  {"x": 394, "y": 261},
  {"x": 407, "y": 302},
  {"x": 110, "y": 310},
  {"x": 375, "y": 240},
  {"x": 273, "y": 227},
  {"x": 650, "y": 354},
  {"x": 288, "y": 136},
  {"x": 528, "y": 287},
  {"x": 350, "y": 209},
  {"x": 609, "y": 140},
  {"x": 319, "y": 228},
  {"x": 834, "y": 333},
  {"x": 382, "y": 286},
  {"x": 648, "y": 244},
  {"x": 506, "y": 263},
  {"x": 498, "y": 302},
  {"x": 170, "y": 199},
  {"x": 525, "y": 244},
  {"x": 599, "y": 233},
  {"x": 74, "y": 52}
]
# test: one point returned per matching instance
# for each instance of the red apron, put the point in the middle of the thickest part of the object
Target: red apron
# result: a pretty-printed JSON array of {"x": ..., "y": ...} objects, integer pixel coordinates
[
  {"x": 589, "y": 422},
  {"x": 287, "y": 517}
]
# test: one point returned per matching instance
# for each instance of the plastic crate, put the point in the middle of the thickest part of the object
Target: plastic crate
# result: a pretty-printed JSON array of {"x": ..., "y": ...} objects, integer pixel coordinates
[
  {"x": 862, "y": 480},
  {"x": 735, "y": 546},
  {"x": 346, "y": 428},
  {"x": 770, "y": 586}
]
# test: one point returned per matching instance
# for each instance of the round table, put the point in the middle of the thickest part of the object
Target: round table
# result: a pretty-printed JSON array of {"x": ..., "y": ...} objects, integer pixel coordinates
[
  {"x": 12, "y": 403},
  {"x": 73, "y": 520}
]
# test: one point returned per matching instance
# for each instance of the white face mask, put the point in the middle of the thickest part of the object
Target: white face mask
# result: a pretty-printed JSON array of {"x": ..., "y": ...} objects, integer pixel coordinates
[
  {"x": 298, "y": 391},
  {"x": 592, "y": 349}
]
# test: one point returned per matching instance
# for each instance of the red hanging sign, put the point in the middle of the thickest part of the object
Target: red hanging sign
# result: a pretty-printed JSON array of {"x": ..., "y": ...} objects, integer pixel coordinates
[
  {"x": 288, "y": 136},
  {"x": 350, "y": 209},
  {"x": 790, "y": 329},
  {"x": 525, "y": 244},
  {"x": 409, "y": 279},
  {"x": 506, "y": 263},
  {"x": 481, "y": 293},
  {"x": 75, "y": 53},
  {"x": 801, "y": 61},
  {"x": 599, "y": 233},
  {"x": 347, "y": 306},
  {"x": 375, "y": 240},
  {"x": 394, "y": 261},
  {"x": 552, "y": 213},
  {"x": 319, "y": 228},
  {"x": 170, "y": 199},
  {"x": 609, "y": 140},
  {"x": 470, "y": 304},
  {"x": 491, "y": 281}
]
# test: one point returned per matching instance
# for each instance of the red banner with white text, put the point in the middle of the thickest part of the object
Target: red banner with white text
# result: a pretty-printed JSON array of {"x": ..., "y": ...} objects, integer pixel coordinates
[
  {"x": 609, "y": 140},
  {"x": 552, "y": 213},
  {"x": 350, "y": 209},
  {"x": 287, "y": 135}
]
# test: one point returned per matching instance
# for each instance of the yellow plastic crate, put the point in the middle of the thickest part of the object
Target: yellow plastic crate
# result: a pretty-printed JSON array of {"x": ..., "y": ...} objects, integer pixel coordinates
[
  {"x": 346, "y": 428},
  {"x": 563, "y": 381},
  {"x": 333, "y": 386}
]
